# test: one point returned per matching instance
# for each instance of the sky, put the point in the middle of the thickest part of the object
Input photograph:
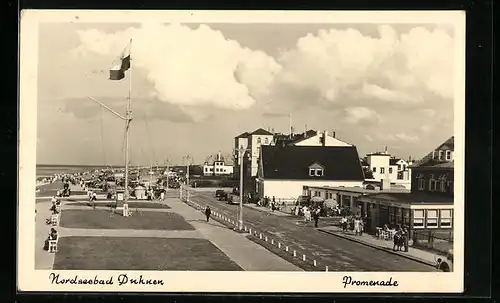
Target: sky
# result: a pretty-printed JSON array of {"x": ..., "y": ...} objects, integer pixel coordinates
[{"x": 194, "y": 87}]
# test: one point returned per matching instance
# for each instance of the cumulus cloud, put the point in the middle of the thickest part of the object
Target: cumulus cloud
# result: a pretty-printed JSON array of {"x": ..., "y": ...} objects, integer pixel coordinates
[
  {"x": 398, "y": 137},
  {"x": 403, "y": 68},
  {"x": 407, "y": 138},
  {"x": 361, "y": 115},
  {"x": 189, "y": 67}
]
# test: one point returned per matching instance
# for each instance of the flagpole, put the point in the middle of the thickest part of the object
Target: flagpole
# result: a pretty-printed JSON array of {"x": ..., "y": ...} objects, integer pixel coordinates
[{"x": 128, "y": 119}]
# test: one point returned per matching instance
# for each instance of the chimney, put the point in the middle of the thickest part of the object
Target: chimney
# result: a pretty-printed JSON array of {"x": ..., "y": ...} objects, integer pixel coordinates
[
  {"x": 333, "y": 134},
  {"x": 385, "y": 150},
  {"x": 325, "y": 134}
]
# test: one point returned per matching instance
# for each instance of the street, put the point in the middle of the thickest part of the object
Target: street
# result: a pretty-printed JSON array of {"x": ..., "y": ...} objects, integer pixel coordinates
[{"x": 338, "y": 253}]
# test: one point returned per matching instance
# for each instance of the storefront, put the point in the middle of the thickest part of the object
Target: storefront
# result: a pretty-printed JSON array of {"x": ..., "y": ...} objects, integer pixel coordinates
[{"x": 409, "y": 210}]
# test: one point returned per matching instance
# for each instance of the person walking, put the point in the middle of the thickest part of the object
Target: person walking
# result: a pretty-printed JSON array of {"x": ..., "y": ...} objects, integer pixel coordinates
[
  {"x": 208, "y": 212},
  {"x": 343, "y": 223},
  {"x": 316, "y": 217}
]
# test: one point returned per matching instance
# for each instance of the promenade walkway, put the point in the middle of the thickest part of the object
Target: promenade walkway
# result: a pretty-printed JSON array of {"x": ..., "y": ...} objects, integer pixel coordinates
[
  {"x": 43, "y": 259},
  {"x": 247, "y": 254},
  {"x": 415, "y": 254}
]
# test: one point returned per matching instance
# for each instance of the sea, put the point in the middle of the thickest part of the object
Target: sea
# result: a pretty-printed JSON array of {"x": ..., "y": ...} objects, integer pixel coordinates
[{"x": 47, "y": 170}]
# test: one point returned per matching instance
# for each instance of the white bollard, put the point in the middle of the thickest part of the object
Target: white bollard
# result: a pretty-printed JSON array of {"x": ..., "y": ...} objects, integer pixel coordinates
[
  {"x": 326, "y": 268},
  {"x": 266, "y": 238},
  {"x": 294, "y": 253},
  {"x": 250, "y": 231},
  {"x": 245, "y": 228},
  {"x": 314, "y": 262},
  {"x": 260, "y": 236},
  {"x": 272, "y": 241},
  {"x": 286, "y": 248},
  {"x": 304, "y": 258},
  {"x": 279, "y": 244}
]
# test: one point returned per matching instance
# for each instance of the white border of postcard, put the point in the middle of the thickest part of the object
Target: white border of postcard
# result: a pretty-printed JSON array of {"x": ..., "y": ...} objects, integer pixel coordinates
[{"x": 30, "y": 279}]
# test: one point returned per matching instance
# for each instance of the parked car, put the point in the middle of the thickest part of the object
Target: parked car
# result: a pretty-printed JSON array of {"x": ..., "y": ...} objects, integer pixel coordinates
[
  {"x": 445, "y": 263},
  {"x": 219, "y": 192},
  {"x": 233, "y": 199},
  {"x": 223, "y": 196}
]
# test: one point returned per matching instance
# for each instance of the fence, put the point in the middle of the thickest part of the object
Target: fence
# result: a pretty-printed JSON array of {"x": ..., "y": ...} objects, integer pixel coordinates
[
  {"x": 313, "y": 263},
  {"x": 437, "y": 241}
]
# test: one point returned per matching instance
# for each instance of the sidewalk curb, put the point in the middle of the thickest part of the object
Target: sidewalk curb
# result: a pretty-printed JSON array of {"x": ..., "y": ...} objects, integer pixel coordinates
[
  {"x": 379, "y": 247},
  {"x": 271, "y": 213}
]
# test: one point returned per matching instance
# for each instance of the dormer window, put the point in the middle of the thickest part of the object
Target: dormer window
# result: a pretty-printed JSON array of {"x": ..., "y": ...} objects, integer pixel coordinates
[
  {"x": 440, "y": 155},
  {"x": 316, "y": 170},
  {"x": 448, "y": 155}
]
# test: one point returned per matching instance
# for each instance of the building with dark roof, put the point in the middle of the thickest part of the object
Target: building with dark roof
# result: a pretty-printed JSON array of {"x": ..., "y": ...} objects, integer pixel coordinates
[
  {"x": 429, "y": 206},
  {"x": 283, "y": 171}
]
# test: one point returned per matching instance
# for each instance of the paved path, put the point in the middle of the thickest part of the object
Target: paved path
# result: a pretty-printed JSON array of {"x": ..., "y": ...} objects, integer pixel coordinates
[
  {"x": 338, "y": 253},
  {"x": 247, "y": 254},
  {"x": 43, "y": 259},
  {"x": 67, "y": 232},
  {"x": 366, "y": 239}
]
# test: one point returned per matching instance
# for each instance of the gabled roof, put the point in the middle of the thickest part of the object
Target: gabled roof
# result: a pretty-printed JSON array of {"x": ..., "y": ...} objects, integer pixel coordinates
[
  {"x": 293, "y": 162},
  {"x": 261, "y": 131},
  {"x": 243, "y": 135},
  {"x": 427, "y": 161},
  {"x": 394, "y": 161}
]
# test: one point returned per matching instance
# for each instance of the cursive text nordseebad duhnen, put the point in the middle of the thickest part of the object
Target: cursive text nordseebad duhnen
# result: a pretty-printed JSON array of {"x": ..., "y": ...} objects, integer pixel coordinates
[
  {"x": 349, "y": 281},
  {"x": 121, "y": 279}
]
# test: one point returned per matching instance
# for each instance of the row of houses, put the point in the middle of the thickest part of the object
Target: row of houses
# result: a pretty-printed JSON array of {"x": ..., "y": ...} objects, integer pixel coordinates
[{"x": 415, "y": 193}]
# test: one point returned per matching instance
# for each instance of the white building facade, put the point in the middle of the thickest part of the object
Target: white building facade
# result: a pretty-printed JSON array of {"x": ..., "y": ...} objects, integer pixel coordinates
[{"x": 217, "y": 168}]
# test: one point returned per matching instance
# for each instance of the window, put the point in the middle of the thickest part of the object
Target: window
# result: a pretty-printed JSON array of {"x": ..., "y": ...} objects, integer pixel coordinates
[
  {"x": 399, "y": 167},
  {"x": 433, "y": 155},
  {"x": 418, "y": 218},
  {"x": 404, "y": 166},
  {"x": 440, "y": 155},
  {"x": 421, "y": 184},
  {"x": 258, "y": 140},
  {"x": 445, "y": 219},
  {"x": 432, "y": 218},
  {"x": 374, "y": 169},
  {"x": 448, "y": 155},
  {"x": 432, "y": 183},
  {"x": 390, "y": 170},
  {"x": 312, "y": 171},
  {"x": 319, "y": 172},
  {"x": 266, "y": 140},
  {"x": 382, "y": 170},
  {"x": 443, "y": 186}
]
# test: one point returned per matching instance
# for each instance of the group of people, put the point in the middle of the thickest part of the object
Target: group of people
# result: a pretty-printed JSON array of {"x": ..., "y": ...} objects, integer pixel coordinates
[
  {"x": 52, "y": 236},
  {"x": 54, "y": 208},
  {"x": 357, "y": 224},
  {"x": 309, "y": 213}
]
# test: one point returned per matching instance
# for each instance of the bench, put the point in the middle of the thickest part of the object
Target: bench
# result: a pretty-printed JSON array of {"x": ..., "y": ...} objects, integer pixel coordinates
[
  {"x": 54, "y": 220},
  {"x": 53, "y": 246}
]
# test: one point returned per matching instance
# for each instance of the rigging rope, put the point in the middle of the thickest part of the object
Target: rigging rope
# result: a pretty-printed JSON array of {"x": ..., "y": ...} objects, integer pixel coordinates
[{"x": 102, "y": 138}]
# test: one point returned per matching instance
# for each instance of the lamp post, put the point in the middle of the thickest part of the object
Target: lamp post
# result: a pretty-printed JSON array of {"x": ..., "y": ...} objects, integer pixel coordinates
[
  {"x": 166, "y": 165},
  {"x": 241, "y": 152},
  {"x": 188, "y": 159}
]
